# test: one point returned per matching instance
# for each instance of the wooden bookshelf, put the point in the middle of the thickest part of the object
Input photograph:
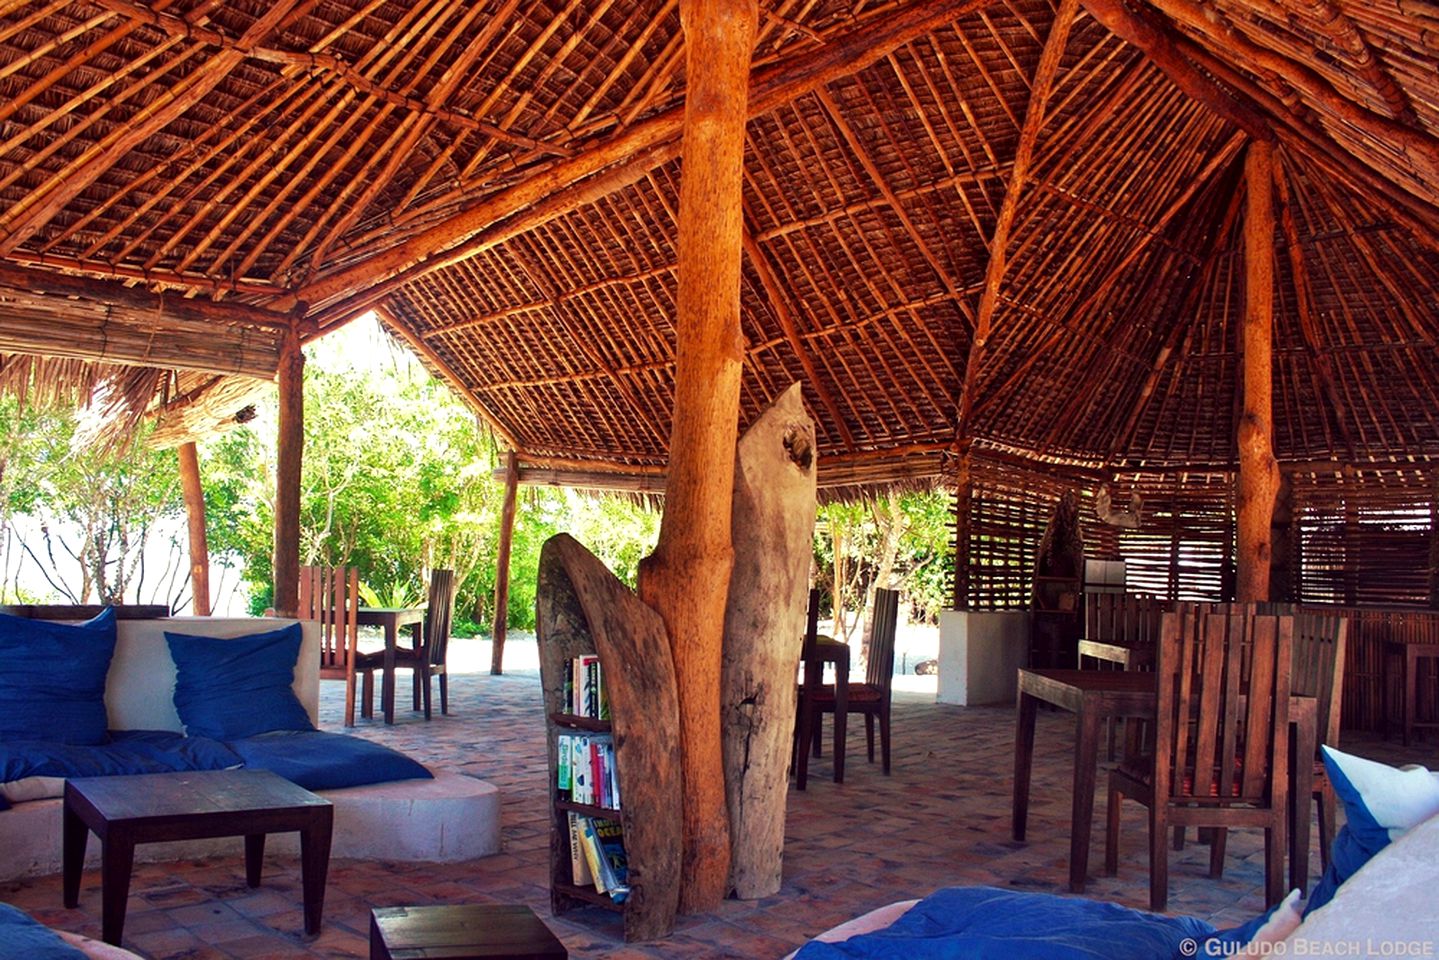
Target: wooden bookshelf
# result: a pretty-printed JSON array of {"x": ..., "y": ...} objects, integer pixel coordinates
[{"x": 582, "y": 610}]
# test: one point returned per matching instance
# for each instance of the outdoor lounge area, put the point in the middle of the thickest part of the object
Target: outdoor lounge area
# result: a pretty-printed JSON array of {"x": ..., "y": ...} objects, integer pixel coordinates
[
  {"x": 941, "y": 818},
  {"x": 1103, "y": 334}
]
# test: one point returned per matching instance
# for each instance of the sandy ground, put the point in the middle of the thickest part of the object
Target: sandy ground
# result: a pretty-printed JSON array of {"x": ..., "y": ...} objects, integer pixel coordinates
[{"x": 913, "y": 643}]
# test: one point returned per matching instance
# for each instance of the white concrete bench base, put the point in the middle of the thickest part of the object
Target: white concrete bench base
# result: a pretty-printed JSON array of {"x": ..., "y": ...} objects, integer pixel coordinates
[{"x": 449, "y": 818}]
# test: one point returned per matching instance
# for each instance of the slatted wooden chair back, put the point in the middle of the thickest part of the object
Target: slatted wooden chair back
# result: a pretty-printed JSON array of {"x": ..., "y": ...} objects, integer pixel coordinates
[
  {"x": 331, "y": 596},
  {"x": 1319, "y": 649},
  {"x": 439, "y": 615},
  {"x": 1126, "y": 618},
  {"x": 879, "y": 671},
  {"x": 812, "y": 668},
  {"x": 1215, "y": 738}
]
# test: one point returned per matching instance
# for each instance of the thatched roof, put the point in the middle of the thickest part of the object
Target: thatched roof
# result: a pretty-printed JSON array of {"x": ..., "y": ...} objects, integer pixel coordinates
[{"x": 500, "y": 181}]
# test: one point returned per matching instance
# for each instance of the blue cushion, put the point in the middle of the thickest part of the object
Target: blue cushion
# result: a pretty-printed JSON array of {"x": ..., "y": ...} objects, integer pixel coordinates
[
  {"x": 1380, "y": 803},
  {"x": 129, "y": 751},
  {"x": 985, "y": 922},
  {"x": 23, "y": 936},
  {"x": 226, "y": 689},
  {"x": 326, "y": 761},
  {"x": 52, "y": 678}
]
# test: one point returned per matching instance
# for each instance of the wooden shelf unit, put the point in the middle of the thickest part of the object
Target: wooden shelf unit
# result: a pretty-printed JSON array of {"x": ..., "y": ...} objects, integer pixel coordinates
[{"x": 582, "y": 610}]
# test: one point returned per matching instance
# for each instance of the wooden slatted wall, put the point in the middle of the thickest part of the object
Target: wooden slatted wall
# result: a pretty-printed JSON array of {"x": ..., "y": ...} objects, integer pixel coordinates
[{"x": 1181, "y": 549}]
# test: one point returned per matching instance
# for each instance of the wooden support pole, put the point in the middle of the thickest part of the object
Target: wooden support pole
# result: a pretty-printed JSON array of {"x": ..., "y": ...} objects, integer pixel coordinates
[
  {"x": 963, "y": 504},
  {"x": 1434, "y": 540},
  {"x": 1258, "y": 472},
  {"x": 291, "y": 447},
  {"x": 686, "y": 579},
  {"x": 502, "y": 563},
  {"x": 194, "y": 495}
]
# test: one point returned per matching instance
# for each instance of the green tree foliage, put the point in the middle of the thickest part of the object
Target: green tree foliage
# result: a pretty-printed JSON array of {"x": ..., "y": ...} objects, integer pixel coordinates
[{"x": 80, "y": 520}]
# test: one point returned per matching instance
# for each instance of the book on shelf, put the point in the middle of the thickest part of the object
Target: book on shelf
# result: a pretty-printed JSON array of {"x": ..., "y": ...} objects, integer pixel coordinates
[
  {"x": 603, "y": 843},
  {"x": 564, "y": 752},
  {"x": 579, "y": 866},
  {"x": 584, "y": 691}
]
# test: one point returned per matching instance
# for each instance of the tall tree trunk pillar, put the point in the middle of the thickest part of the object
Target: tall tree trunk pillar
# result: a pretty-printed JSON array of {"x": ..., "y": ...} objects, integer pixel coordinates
[
  {"x": 1258, "y": 472},
  {"x": 963, "y": 503},
  {"x": 291, "y": 448},
  {"x": 686, "y": 579},
  {"x": 502, "y": 563},
  {"x": 194, "y": 495}
]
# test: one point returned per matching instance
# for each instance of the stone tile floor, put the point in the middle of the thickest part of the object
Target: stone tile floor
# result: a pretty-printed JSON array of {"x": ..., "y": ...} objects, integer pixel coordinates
[{"x": 941, "y": 819}]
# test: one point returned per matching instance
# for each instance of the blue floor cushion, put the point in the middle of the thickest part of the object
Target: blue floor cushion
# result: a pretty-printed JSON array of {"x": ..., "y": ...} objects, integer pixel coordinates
[
  {"x": 23, "y": 936},
  {"x": 317, "y": 760},
  {"x": 24, "y": 762}
]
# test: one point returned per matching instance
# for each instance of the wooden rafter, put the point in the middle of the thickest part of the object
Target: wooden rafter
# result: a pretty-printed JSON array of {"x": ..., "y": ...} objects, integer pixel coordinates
[
  {"x": 29, "y": 215},
  {"x": 769, "y": 88},
  {"x": 759, "y": 261},
  {"x": 1039, "y": 91}
]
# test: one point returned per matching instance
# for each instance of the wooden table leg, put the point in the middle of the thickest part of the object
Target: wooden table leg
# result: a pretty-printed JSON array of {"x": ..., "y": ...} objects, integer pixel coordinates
[
  {"x": 841, "y": 714},
  {"x": 117, "y": 859},
  {"x": 75, "y": 836},
  {"x": 254, "y": 857},
  {"x": 387, "y": 683},
  {"x": 315, "y": 865},
  {"x": 1023, "y": 761},
  {"x": 1086, "y": 755}
]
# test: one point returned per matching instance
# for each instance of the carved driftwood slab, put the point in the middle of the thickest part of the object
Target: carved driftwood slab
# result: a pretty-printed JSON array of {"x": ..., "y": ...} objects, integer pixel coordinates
[
  {"x": 773, "y": 524},
  {"x": 582, "y": 608}
]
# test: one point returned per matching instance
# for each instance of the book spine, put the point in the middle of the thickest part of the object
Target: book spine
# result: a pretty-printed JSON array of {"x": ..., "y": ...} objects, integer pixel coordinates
[
  {"x": 563, "y": 749},
  {"x": 594, "y": 855},
  {"x": 579, "y": 866},
  {"x": 570, "y": 686}
]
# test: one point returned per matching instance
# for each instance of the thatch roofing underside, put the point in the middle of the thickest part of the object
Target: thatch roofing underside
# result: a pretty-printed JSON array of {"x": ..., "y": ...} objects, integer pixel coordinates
[{"x": 501, "y": 180}]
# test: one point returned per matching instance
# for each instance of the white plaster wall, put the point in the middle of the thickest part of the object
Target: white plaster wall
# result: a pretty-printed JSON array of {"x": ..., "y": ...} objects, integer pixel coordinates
[{"x": 980, "y": 652}]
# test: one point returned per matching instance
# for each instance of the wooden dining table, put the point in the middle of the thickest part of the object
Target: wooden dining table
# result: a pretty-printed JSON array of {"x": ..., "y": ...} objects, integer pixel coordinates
[
  {"x": 1092, "y": 696},
  {"x": 827, "y": 650},
  {"x": 391, "y": 620}
]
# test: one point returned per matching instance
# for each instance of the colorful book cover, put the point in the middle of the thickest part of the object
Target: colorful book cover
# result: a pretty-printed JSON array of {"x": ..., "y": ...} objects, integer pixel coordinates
[
  {"x": 562, "y": 765},
  {"x": 582, "y": 784},
  {"x": 611, "y": 837},
  {"x": 599, "y": 866}
]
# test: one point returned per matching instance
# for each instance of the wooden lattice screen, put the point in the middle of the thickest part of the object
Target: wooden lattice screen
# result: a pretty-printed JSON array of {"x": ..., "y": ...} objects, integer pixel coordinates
[
  {"x": 1008, "y": 512},
  {"x": 1181, "y": 549},
  {"x": 1364, "y": 538}
]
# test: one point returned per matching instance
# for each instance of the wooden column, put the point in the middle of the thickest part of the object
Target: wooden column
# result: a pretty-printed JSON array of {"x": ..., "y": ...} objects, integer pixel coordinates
[
  {"x": 195, "y": 519},
  {"x": 686, "y": 579},
  {"x": 287, "y": 476},
  {"x": 963, "y": 504},
  {"x": 1434, "y": 540},
  {"x": 502, "y": 562},
  {"x": 1258, "y": 473}
]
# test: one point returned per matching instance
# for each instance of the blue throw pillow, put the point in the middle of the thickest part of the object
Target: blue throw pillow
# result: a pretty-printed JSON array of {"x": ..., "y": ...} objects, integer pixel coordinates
[
  {"x": 1380, "y": 803},
  {"x": 52, "y": 678},
  {"x": 23, "y": 936},
  {"x": 226, "y": 689},
  {"x": 326, "y": 761}
]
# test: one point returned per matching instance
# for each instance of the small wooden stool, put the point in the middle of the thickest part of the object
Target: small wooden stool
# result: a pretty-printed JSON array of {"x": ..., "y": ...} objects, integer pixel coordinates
[
  {"x": 462, "y": 932},
  {"x": 1409, "y": 655}
]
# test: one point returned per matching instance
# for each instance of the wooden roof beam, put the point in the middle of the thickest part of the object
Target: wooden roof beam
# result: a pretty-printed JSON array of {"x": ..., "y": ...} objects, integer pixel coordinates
[
  {"x": 40, "y": 205},
  {"x": 1186, "y": 62},
  {"x": 1326, "y": 17},
  {"x": 843, "y": 55},
  {"x": 772, "y": 288},
  {"x": 1417, "y": 145},
  {"x": 877, "y": 178},
  {"x": 1039, "y": 92}
]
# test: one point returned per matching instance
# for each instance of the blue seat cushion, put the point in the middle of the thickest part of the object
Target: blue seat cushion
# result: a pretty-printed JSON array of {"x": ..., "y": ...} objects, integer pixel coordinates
[
  {"x": 129, "y": 751},
  {"x": 52, "y": 678},
  {"x": 237, "y": 687},
  {"x": 23, "y": 936},
  {"x": 1381, "y": 803},
  {"x": 317, "y": 760},
  {"x": 986, "y": 923}
]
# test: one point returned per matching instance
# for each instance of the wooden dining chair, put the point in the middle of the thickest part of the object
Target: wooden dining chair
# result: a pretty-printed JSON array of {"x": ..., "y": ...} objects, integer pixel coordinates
[
  {"x": 331, "y": 596},
  {"x": 872, "y": 697},
  {"x": 1318, "y": 672},
  {"x": 426, "y": 661},
  {"x": 1220, "y": 751}
]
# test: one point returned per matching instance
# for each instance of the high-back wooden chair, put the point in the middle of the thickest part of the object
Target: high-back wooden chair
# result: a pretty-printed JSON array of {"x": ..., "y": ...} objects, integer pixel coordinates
[
  {"x": 872, "y": 697},
  {"x": 1121, "y": 629},
  {"x": 812, "y": 678},
  {"x": 1221, "y": 753},
  {"x": 428, "y": 660},
  {"x": 1319, "y": 650},
  {"x": 331, "y": 596}
]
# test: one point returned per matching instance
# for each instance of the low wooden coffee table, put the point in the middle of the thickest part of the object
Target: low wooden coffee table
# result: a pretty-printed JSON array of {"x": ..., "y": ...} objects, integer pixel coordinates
[
  {"x": 147, "y": 808},
  {"x": 462, "y": 931}
]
